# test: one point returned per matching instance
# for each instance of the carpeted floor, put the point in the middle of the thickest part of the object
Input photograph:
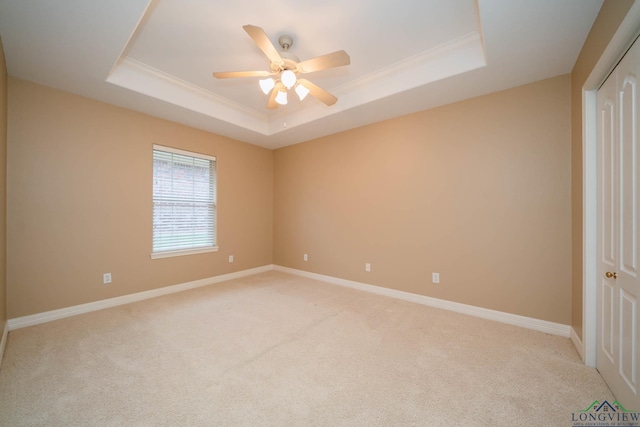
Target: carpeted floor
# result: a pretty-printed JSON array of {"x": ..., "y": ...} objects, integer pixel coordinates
[{"x": 280, "y": 350}]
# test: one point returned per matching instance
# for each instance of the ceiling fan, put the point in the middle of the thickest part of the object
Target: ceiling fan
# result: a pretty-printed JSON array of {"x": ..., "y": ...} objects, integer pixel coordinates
[{"x": 285, "y": 69}]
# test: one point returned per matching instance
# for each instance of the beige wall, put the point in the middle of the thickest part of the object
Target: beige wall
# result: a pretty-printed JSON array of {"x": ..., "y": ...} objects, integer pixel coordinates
[
  {"x": 478, "y": 191},
  {"x": 79, "y": 201},
  {"x": 611, "y": 15},
  {"x": 3, "y": 188}
]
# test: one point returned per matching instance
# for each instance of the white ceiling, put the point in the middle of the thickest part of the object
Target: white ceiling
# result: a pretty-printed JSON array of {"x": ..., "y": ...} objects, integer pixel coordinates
[{"x": 158, "y": 56}]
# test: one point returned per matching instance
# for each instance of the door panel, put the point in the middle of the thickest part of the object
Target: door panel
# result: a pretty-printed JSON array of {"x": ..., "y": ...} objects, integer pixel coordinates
[
  {"x": 607, "y": 353},
  {"x": 628, "y": 177},
  {"x": 627, "y": 341},
  {"x": 608, "y": 334},
  {"x": 607, "y": 160}
]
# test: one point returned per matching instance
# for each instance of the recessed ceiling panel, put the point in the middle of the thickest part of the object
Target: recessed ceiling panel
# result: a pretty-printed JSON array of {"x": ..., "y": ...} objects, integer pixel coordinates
[{"x": 394, "y": 47}]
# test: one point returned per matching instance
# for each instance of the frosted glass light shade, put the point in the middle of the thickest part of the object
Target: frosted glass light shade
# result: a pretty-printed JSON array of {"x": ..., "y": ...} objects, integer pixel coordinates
[
  {"x": 301, "y": 91},
  {"x": 288, "y": 78},
  {"x": 266, "y": 85},
  {"x": 281, "y": 97}
]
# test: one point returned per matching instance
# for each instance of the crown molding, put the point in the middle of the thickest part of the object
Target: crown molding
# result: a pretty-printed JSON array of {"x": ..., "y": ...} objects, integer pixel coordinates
[
  {"x": 142, "y": 78},
  {"x": 457, "y": 56}
]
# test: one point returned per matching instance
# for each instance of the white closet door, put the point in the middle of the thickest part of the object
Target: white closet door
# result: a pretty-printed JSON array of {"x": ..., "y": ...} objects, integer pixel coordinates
[{"x": 618, "y": 231}]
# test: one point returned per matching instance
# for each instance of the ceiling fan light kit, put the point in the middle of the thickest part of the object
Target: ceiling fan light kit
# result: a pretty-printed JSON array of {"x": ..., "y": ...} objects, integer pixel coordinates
[
  {"x": 281, "y": 97},
  {"x": 266, "y": 85},
  {"x": 286, "y": 67},
  {"x": 288, "y": 78},
  {"x": 301, "y": 91}
]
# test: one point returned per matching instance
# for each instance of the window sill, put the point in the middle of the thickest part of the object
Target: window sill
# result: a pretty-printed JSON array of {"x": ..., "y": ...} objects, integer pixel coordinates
[{"x": 169, "y": 254}]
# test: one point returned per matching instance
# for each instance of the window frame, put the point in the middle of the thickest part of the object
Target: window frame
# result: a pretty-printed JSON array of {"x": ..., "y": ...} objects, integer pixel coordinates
[{"x": 193, "y": 250}]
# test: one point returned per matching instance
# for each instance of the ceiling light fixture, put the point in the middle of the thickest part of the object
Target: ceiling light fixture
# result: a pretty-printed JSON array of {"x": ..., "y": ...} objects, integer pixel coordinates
[
  {"x": 281, "y": 97},
  {"x": 288, "y": 78},
  {"x": 266, "y": 85},
  {"x": 301, "y": 91},
  {"x": 287, "y": 81}
]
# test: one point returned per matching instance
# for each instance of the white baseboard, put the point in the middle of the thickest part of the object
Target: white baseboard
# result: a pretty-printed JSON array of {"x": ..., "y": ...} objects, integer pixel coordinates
[
  {"x": 48, "y": 316},
  {"x": 485, "y": 313},
  {"x": 577, "y": 343},
  {"x": 499, "y": 316},
  {"x": 3, "y": 340}
]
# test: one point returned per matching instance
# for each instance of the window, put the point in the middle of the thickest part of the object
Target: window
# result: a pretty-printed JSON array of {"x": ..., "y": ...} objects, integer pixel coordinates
[{"x": 184, "y": 202}]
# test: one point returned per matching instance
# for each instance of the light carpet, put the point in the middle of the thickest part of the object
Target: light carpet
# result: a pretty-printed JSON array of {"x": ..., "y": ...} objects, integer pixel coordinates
[{"x": 280, "y": 350}]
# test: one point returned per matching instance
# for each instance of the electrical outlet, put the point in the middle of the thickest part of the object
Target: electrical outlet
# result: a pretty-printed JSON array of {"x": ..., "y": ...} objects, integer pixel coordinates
[
  {"x": 435, "y": 277},
  {"x": 106, "y": 278},
  {"x": 367, "y": 267},
  {"x": 230, "y": 258},
  {"x": 306, "y": 257}
]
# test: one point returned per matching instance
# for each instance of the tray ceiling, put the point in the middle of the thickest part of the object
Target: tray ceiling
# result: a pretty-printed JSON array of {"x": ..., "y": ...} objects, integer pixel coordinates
[{"x": 158, "y": 56}]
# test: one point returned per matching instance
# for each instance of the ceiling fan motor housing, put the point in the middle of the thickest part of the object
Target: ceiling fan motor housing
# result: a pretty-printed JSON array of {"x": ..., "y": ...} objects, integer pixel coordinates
[{"x": 290, "y": 61}]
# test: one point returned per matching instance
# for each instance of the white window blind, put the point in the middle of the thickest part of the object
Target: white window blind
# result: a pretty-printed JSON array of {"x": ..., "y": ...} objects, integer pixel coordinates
[{"x": 184, "y": 202}]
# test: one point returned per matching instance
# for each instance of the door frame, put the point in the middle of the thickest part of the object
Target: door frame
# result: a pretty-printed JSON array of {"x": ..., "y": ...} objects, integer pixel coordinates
[{"x": 615, "y": 50}]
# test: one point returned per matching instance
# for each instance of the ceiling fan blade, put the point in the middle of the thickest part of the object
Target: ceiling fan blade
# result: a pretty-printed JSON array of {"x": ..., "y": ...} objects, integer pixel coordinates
[
  {"x": 272, "y": 104},
  {"x": 330, "y": 60},
  {"x": 260, "y": 37},
  {"x": 318, "y": 92},
  {"x": 236, "y": 74}
]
